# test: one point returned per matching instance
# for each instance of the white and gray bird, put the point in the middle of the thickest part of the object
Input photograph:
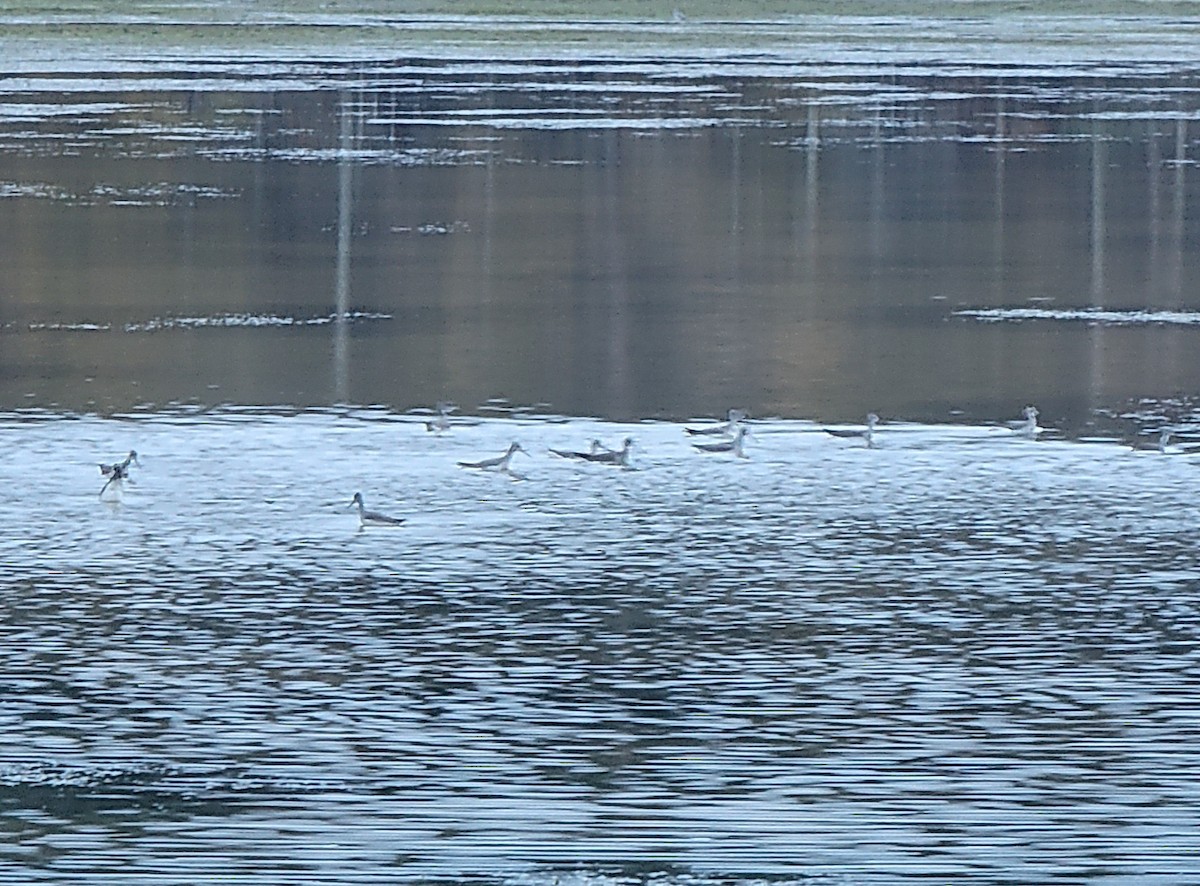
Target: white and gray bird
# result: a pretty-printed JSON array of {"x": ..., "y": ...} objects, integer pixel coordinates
[
  {"x": 121, "y": 466},
  {"x": 1028, "y": 426},
  {"x": 499, "y": 463},
  {"x": 442, "y": 422},
  {"x": 117, "y": 472},
  {"x": 867, "y": 433},
  {"x": 728, "y": 427},
  {"x": 366, "y": 517},
  {"x": 735, "y": 445},
  {"x": 601, "y": 454}
]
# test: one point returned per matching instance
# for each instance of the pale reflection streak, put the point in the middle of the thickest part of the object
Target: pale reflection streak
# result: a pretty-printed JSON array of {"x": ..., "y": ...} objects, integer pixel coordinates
[
  {"x": 812, "y": 168},
  {"x": 345, "y": 216},
  {"x": 1097, "y": 242},
  {"x": 1178, "y": 206},
  {"x": 999, "y": 281}
]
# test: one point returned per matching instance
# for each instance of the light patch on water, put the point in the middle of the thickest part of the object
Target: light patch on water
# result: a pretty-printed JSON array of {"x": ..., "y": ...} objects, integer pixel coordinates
[
  {"x": 1097, "y": 316},
  {"x": 69, "y": 327},
  {"x": 76, "y": 110},
  {"x": 363, "y": 156},
  {"x": 178, "y": 132},
  {"x": 219, "y": 321},
  {"x": 240, "y": 79},
  {"x": 153, "y": 194},
  {"x": 1143, "y": 114},
  {"x": 549, "y": 121},
  {"x": 38, "y": 190},
  {"x": 106, "y": 194},
  {"x": 252, "y": 321},
  {"x": 428, "y": 229},
  {"x": 542, "y": 91}
]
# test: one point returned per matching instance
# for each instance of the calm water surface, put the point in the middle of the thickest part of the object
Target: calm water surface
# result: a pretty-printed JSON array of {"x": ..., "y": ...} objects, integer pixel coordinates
[
  {"x": 962, "y": 655},
  {"x": 618, "y": 237}
]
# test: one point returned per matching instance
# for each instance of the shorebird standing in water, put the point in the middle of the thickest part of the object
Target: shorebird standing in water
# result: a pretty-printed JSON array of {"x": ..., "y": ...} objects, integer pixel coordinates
[
  {"x": 499, "y": 463},
  {"x": 442, "y": 422},
  {"x": 867, "y": 433},
  {"x": 118, "y": 471},
  {"x": 1164, "y": 446},
  {"x": 1186, "y": 446},
  {"x": 601, "y": 454},
  {"x": 597, "y": 448},
  {"x": 734, "y": 445},
  {"x": 734, "y": 419},
  {"x": 121, "y": 466},
  {"x": 1029, "y": 427},
  {"x": 366, "y": 517}
]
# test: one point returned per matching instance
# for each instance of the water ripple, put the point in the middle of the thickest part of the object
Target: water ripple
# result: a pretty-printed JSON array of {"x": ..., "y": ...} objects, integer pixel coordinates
[
  {"x": 962, "y": 654},
  {"x": 1098, "y": 316}
]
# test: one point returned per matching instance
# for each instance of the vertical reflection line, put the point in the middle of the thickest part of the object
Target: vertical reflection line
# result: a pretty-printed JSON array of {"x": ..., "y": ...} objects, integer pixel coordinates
[
  {"x": 341, "y": 287},
  {"x": 1099, "y": 161},
  {"x": 1174, "y": 270},
  {"x": 808, "y": 229},
  {"x": 1154, "y": 164},
  {"x": 876, "y": 201},
  {"x": 812, "y": 144},
  {"x": 616, "y": 268},
  {"x": 735, "y": 204},
  {"x": 1177, "y": 209},
  {"x": 1152, "y": 274},
  {"x": 998, "y": 275},
  {"x": 489, "y": 222}
]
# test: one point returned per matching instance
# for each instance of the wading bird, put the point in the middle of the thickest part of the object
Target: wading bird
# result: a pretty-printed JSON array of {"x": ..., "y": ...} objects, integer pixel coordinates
[
  {"x": 499, "y": 463},
  {"x": 366, "y": 517},
  {"x": 442, "y": 422},
  {"x": 1029, "y": 426},
  {"x": 867, "y": 433},
  {"x": 601, "y": 454},
  {"x": 123, "y": 466},
  {"x": 734, "y": 445},
  {"x": 118, "y": 471},
  {"x": 730, "y": 426}
]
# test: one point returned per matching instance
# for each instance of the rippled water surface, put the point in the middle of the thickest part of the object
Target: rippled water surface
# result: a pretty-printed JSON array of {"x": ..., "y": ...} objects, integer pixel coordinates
[{"x": 961, "y": 654}]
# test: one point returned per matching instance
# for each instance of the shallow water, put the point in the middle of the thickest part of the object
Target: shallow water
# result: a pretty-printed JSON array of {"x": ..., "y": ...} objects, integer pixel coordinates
[{"x": 962, "y": 654}]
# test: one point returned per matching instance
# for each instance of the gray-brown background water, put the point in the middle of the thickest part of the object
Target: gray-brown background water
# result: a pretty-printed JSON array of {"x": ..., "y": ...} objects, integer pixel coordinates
[
  {"x": 963, "y": 654},
  {"x": 611, "y": 238}
]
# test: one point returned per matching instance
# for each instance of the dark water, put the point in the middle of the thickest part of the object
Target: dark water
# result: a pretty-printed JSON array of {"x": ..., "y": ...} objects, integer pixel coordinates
[
  {"x": 608, "y": 237},
  {"x": 962, "y": 655}
]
